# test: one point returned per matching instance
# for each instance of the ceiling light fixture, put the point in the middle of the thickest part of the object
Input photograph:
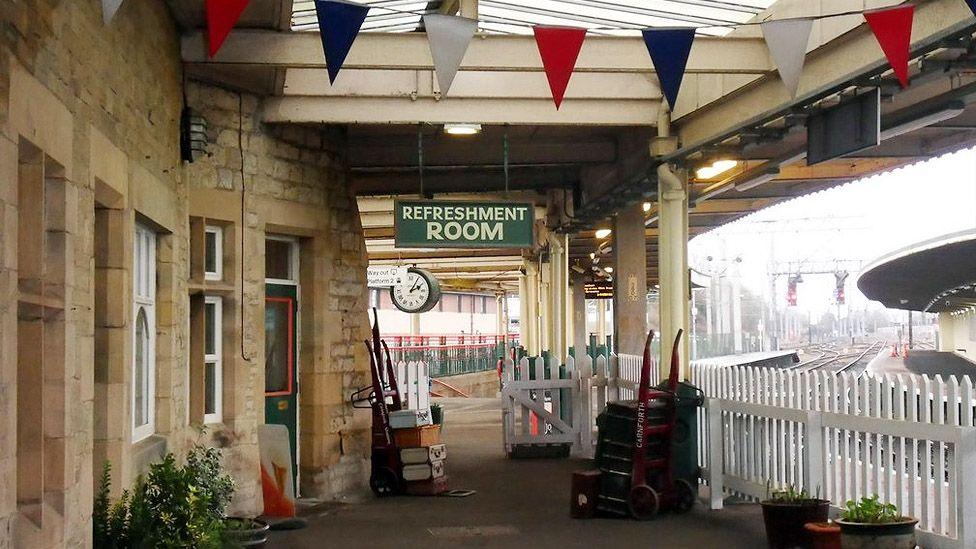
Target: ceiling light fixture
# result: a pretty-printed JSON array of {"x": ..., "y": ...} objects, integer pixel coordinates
[
  {"x": 603, "y": 233},
  {"x": 717, "y": 168},
  {"x": 608, "y": 269},
  {"x": 462, "y": 129},
  {"x": 647, "y": 207}
]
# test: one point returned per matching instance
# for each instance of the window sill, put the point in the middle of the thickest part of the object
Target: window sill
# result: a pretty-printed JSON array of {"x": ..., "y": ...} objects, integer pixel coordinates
[{"x": 147, "y": 451}]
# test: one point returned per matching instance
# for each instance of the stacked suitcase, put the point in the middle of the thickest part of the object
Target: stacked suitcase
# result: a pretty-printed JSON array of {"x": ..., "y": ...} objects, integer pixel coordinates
[
  {"x": 421, "y": 452},
  {"x": 614, "y": 452}
]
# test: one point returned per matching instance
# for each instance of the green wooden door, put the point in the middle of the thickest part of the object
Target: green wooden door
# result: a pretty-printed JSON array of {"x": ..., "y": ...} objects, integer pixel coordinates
[{"x": 280, "y": 366}]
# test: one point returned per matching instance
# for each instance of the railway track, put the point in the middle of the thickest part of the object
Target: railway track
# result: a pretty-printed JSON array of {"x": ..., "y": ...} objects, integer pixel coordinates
[{"x": 831, "y": 359}]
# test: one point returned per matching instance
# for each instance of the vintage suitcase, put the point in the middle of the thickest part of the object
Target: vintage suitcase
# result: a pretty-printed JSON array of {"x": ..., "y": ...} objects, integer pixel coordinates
[
  {"x": 430, "y": 487},
  {"x": 414, "y": 437},
  {"x": 437, "y": 452},
  {"x": 585, "y": 491},
  {"x": 423, "y": 471},
  {"x": 404, "y": 419}
]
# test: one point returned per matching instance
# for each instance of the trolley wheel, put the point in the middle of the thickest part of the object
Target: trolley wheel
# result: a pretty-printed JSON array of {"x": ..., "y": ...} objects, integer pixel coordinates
[
  {"x": 643, "y": 502},
  {"x": 384, "y": 482},
  {"x": 684, "y": 496}
]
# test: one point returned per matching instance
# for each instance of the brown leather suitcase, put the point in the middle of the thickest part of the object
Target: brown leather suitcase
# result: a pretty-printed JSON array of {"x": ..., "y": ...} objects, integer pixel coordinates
[{"x": 585, "y": 490}]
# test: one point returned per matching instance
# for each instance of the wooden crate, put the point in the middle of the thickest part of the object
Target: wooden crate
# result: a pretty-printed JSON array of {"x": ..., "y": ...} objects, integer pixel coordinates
[{"x": 426, "y": 435}]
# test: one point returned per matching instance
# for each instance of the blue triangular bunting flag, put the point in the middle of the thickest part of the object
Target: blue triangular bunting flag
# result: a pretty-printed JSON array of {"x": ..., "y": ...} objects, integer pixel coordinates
[
  {"x": 972, "y": 5},
  {"x": 339, "y": 23},
  {"x": 669, "y": 49}
]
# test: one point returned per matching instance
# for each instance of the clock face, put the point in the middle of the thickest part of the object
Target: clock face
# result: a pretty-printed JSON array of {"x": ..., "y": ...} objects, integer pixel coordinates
[{"x": 418, "y": 293}]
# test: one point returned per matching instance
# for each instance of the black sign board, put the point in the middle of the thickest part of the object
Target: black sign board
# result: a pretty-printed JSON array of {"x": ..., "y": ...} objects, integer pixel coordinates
[
  {"x": 598, "y": 289},
  {"x": 851, "y": 126}
]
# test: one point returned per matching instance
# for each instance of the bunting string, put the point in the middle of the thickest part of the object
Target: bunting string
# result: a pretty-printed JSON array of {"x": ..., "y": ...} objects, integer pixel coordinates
[{"x": 669, "y": 48}]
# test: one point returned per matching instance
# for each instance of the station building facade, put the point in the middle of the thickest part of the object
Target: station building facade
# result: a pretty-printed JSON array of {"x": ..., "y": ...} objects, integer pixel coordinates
[{"x": 143, "y": 297}]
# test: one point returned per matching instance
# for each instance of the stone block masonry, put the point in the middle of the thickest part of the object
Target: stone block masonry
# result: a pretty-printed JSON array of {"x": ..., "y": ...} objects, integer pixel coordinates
[{"x": 89, "y": 130}]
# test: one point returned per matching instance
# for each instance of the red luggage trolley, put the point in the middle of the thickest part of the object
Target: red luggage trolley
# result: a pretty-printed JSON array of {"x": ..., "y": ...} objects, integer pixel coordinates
[
  {"x": 644, "y": 500},
  {"x": 385, "y": 477}
]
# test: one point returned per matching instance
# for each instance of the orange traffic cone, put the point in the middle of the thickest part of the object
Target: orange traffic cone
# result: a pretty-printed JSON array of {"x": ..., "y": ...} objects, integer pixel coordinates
[
  {"x": 905, "y": 352},
  {"x": 894, "y": 351}
]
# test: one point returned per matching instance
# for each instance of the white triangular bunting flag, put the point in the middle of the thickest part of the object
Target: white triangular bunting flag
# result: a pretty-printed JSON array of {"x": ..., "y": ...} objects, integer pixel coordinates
[
  {"x": 109, "y": 7},
  {"x": 448, "y": 37},
  {"x": 787, "y": 40}
]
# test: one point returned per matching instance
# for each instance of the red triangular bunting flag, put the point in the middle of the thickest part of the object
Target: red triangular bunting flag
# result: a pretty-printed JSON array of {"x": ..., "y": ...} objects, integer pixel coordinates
[
  {"x": 222, "y": 15},
  {"x": 893, "y": 29},
  {"x": 559, "y": 48}
]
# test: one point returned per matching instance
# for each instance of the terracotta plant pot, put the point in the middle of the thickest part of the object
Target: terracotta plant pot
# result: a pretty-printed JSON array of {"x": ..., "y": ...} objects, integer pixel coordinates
[
  {"x": 890, "y": 535},
  {"x": 784, "y": 521},
  {"x": 823, "y": 535}
]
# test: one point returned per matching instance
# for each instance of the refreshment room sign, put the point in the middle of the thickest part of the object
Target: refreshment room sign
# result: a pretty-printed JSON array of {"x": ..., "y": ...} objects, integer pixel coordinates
[{"x": 454, "y": 224}]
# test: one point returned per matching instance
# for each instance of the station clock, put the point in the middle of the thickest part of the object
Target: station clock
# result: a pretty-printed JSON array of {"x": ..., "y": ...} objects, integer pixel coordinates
[{"x": 418, "y": 293}]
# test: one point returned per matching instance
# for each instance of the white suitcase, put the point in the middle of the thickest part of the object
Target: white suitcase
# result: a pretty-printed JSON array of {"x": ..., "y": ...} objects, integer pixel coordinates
[
  {"x": 410, "y": 456},
  {"x": 406, "y": 419},
  {"x": 423, "y": 471}
]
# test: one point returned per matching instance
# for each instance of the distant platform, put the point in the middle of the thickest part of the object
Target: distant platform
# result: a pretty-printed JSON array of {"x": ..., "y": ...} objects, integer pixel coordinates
[
  {"x": 926, "y": 362},
  {"x": 765, "y": 359}
]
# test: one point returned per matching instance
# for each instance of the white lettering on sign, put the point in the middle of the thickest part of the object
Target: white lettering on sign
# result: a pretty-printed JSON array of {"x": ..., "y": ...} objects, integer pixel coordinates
[
  {"x": 382, "y": 277},
  {"x": 468, "y": 231}
]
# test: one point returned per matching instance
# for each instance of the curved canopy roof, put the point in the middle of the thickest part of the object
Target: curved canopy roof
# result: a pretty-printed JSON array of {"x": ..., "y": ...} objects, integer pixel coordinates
[
  {"x": 937, "y": 275},
  {"x": 516, "y": 16}
]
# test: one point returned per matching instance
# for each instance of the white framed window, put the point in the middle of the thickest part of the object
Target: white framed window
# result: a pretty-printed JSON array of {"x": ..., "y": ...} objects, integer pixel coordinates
[
  {"x": 281, "y": 259},
  {"x": 213, "y": 365},
  {"x": 213, "y": 257},
  {"x": 144, "y": 334}
]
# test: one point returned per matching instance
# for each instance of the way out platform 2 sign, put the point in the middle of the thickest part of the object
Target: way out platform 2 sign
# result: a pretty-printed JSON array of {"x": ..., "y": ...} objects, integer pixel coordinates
[{"x": 463, "y": 224}]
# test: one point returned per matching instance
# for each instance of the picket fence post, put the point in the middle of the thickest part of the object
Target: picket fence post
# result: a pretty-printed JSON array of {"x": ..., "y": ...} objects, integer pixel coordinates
[{"x": 715, "y": 465}]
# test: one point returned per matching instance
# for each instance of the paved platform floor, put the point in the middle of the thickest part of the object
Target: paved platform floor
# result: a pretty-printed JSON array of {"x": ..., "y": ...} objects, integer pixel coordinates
[
  {"x": 925, "y": 361},
  {"x": 517, "y": 504}
]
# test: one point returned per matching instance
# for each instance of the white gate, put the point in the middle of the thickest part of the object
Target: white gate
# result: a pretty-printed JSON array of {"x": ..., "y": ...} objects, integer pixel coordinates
[
  {"x": 563, "y": 408},
  {"x": 413, "y": 382}
]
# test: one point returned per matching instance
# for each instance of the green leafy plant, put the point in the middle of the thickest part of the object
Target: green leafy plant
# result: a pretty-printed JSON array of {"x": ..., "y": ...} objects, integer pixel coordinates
[
  {"x": 871, "y": 511},
  {"x": 173, "y": 506},
  {"x": 790, "y": 495}
]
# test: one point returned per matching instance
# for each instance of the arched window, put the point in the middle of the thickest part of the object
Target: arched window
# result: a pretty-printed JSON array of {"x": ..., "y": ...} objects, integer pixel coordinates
[{"x": 144, "y": 334}]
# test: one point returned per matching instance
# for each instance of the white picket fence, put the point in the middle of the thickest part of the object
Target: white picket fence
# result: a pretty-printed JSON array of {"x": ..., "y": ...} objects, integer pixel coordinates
[
  {"x": 908, "y": 438},
  {"x": 413, "y": 381}
]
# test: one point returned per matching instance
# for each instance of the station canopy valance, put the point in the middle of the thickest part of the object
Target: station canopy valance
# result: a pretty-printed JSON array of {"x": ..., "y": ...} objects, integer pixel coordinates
[{"x": 622, "y": 17}]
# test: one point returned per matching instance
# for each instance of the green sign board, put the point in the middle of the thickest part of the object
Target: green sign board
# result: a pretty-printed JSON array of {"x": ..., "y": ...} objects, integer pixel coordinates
[{"x": 453, "y": 224}]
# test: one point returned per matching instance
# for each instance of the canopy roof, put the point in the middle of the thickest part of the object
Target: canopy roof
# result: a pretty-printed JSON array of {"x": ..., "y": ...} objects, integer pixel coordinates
[
  {"x": 937, "y": 275},
  {"x": 621, "y": 17}
]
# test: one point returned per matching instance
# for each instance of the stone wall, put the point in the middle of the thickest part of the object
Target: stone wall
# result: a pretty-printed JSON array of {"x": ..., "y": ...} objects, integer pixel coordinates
[
  {"x": 93, "y": 102},
  {"x": 90, "y": 113},
  {"x": 294, "y": 181}
]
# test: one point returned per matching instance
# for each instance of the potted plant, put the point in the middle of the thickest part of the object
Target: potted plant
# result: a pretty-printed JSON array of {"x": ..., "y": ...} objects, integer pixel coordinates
[
  {"x": 245, "y": 532},
  {"x": 437, "y": 414},
  {"x": 870, "y": 523},
  {"x": 785, "y": 512},
  {"x": 172, "y": 505},
  {"x": 823, "y": 535}
]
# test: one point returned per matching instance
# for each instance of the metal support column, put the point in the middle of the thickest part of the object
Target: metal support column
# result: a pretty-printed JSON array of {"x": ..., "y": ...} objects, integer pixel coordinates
[
  {"x": 673, "y": 251},
  {"x": 558, "y": 317},
  {"x": 529, "y": 317}
]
